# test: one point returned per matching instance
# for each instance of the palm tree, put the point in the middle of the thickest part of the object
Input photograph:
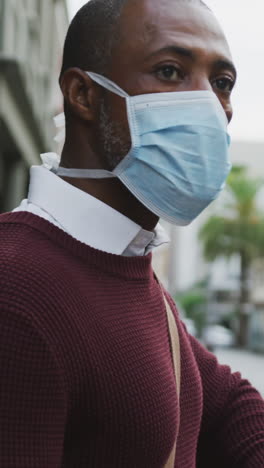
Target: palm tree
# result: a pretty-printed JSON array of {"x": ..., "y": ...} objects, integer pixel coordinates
[{"x": 239, "y": 231}]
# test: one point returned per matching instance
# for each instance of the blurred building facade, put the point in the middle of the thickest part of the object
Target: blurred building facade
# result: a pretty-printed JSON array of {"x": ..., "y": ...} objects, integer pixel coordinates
[{"x": 31, "y": 40}]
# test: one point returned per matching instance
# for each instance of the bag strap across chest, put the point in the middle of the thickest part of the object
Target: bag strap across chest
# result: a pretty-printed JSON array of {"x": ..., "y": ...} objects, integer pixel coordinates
[{"x": 176, "y": 357}]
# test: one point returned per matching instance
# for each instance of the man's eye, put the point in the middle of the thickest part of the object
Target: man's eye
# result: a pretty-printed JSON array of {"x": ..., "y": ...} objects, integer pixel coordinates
[
  {"x": 224, "y": 84},
  {"x": 169, "y": 73}
]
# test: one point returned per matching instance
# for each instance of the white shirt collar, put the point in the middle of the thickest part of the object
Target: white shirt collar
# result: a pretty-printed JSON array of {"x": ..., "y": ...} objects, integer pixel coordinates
[{"x": 87, "y": 219}]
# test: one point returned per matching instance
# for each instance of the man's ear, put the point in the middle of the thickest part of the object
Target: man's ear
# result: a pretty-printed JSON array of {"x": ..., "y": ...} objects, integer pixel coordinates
[{"x": 80, "y": 93}]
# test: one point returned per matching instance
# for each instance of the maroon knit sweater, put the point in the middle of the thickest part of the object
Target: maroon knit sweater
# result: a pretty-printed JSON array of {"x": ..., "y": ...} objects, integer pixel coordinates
[{"x": 86, "y": 371}]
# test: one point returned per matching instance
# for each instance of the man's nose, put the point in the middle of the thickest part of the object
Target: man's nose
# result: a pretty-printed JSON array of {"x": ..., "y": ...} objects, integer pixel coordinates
[{"x": 201, "y": 83}]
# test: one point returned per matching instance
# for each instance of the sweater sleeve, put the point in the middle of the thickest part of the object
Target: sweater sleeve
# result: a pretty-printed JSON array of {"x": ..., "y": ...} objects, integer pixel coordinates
[
  {"x": 32, "y": 396},
  {"x": 232, "y": 431}
]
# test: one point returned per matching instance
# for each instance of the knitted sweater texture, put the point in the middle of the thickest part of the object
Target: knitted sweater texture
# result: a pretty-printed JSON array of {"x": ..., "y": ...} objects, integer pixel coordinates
[{"x": 86, "y": 370}]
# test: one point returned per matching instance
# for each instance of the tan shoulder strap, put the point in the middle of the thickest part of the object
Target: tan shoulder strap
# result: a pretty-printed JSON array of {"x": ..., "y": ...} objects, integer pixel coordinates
[{"x": 176, "y": 356}]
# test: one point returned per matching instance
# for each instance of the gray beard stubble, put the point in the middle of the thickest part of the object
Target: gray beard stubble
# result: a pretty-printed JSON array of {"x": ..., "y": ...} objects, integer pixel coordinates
[{"x": 115, "y": 143}]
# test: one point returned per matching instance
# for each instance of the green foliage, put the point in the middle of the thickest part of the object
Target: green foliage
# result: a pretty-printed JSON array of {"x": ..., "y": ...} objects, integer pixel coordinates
[
  {"x": 243, "y": 191},
  {"x": 190, "y": 300},
  {"x": 241, "y": 229},
  {"x": 194, "y": 304}
]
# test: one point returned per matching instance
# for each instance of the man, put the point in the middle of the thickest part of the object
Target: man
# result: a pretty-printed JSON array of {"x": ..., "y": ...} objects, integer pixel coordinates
[{"x": 86, "y": 371}]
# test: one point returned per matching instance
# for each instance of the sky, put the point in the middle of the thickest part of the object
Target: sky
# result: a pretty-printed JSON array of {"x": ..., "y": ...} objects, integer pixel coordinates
[{"x": 242, "y": 21}]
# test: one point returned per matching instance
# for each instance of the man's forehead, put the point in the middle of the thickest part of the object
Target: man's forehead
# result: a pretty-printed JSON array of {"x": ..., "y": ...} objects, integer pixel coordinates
[
  {"x": 150, "y": 13},
  {"x": 150, "y": 24}
]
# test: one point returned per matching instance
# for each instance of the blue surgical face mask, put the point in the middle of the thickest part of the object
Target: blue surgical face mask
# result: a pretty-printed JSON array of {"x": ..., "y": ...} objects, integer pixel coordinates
[{"x": 179, "y": 158}]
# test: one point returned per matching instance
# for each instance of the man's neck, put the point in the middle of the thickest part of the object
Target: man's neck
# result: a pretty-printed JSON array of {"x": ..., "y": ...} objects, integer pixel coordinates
[
  {"x": 115, "y": 194},
  {"x": 110, "y": 191}
]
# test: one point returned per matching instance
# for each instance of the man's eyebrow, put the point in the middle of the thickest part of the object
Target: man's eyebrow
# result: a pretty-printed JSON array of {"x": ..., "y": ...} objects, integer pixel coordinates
[
  {"x": 174, "y": 49},
  {"x": 227, "y": 65}
]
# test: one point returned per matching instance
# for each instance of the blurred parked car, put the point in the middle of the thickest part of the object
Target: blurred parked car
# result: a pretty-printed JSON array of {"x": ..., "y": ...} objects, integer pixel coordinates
[{"x": 217, "y": 336}]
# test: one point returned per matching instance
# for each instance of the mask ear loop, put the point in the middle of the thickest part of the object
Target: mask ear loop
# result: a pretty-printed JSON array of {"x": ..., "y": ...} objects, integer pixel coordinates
[
  {"x": 107, "y": 84},
  {"x": 60, "y": 124},
  {"x": 50, "y": 161},
  {"x": 59, "y": 121}
]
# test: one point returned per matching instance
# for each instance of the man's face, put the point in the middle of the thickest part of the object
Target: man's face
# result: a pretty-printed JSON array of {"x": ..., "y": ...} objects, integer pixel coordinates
[{"x": 165, "y": 46}]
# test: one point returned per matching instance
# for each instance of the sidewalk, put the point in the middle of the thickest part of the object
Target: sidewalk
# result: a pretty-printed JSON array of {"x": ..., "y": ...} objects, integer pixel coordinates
[{"x": 249, "y": 364}]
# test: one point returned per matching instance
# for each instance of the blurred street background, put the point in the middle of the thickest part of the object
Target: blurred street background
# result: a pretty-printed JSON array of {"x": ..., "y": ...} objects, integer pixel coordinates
[
  {"x": 214, "y": 268},
  {"x": 249, "y": 364}
]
